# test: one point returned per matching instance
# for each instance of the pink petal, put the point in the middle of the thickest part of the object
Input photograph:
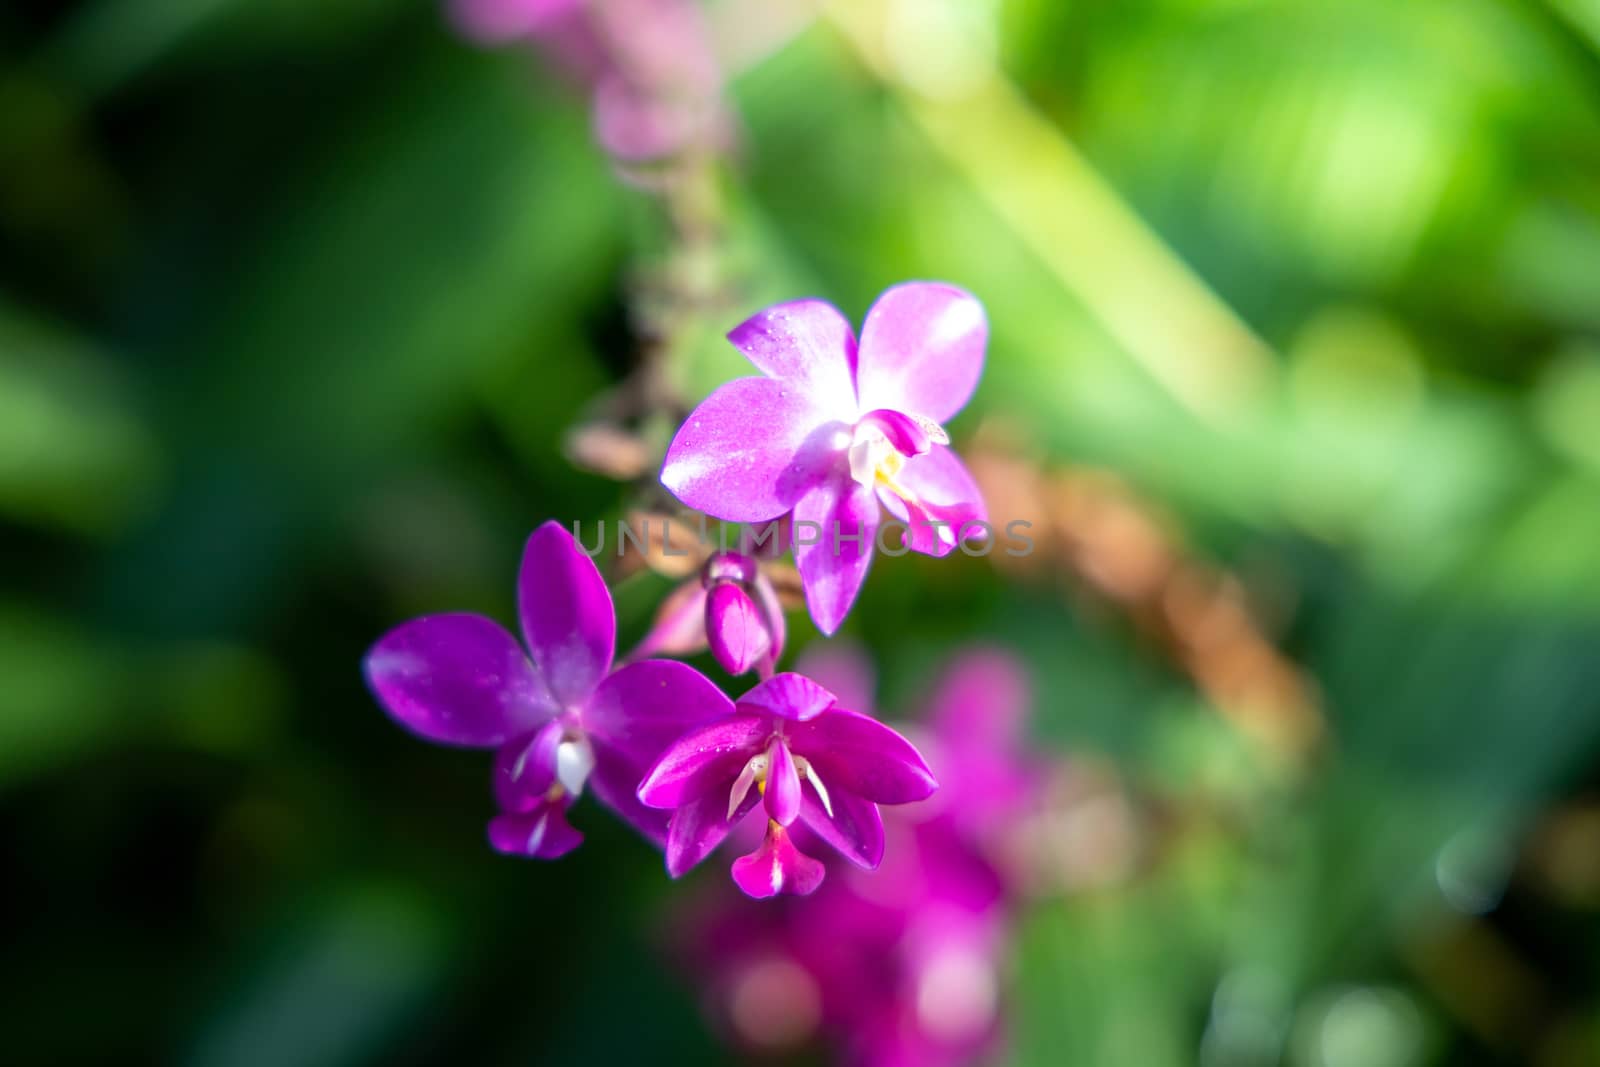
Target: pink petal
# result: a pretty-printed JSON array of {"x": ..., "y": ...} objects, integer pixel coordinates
[
  {"x": 542, "y": 833},
  {"x": 787, "y": 696},
  {"x": 567, "y": 617},
  {"x": 809, "y": 345},
  {"x": 777, "y": 867},
  {"x": 945, "y": 502},
  {"x": 858, "y": 754},
  {"x": 525, "y": 769},
  {"x": 735, "y": 628},
  {"x": 750, "y": 450},
  {"x": 921, "y": 350},
  {"x": 782, "y": 795},
  {"x": 855, "y": 828},
  {"x": 458, "y": 680},
  {"x": 644, "y": 707},
  {"x": 843, "y": 523},
  {"x": 699, "y": 826},
  {"x": 704, "y": 761}
]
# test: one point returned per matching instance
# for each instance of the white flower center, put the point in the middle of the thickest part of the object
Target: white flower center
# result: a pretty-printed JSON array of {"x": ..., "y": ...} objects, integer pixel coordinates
[{"x": 574, "y": 761}]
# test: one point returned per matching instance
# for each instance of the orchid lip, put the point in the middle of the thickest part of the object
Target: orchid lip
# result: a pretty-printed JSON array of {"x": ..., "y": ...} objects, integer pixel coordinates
[{"x": 883, "y": 440}]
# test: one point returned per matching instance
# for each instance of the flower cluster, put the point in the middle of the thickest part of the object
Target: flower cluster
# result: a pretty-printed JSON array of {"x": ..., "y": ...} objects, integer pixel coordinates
[
  {"x": 832, "y": 431},
  {"x": 906, "y": 967}
]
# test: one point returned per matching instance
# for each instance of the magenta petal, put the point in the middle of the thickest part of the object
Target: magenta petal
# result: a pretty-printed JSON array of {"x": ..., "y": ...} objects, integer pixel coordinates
[
  {"x": 836, "y": 525},
  {"x": 699, "y": 826},
  {"x": 854, "y": 827},
  {"x": 777, "y": 867},
  {"x": 525, "y": 769},
  {"x": 735, "y": 628},
  {"x": 806, "y": 343},
  {"x": 458, "y": 680},
  {"x": 921, "y": 350},
  {"x": 642, "y": 708},
  {"x": 749, "y": 451},
  {"x": 945, "y": 501},
  {"x": 787, "y": 696},
  {"x": 567, "y": 617},
  {"x": 861, "y": 755},
  {"x": 782, "y": 795},
  {"x": 703, "y": 761},
  {"x": 614, "y": 782},
  {"x": 542, "y": 833}
]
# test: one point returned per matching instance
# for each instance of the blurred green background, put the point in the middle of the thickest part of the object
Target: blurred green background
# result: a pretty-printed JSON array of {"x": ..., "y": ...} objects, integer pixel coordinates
[{"x": 299, "y": 298}]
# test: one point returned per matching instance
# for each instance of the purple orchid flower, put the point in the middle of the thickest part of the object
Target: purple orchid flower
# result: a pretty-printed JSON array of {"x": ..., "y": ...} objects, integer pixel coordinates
[
  {"x": 559, "y": 719},
  {"x": 836, "y": 428},
  {"x": 789, "y": 747},
  {"x": 730, "y": 607}
]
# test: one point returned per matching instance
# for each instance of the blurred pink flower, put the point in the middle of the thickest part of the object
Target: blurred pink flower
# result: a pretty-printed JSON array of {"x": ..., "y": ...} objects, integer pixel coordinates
[{"x": 649, "y": 65}]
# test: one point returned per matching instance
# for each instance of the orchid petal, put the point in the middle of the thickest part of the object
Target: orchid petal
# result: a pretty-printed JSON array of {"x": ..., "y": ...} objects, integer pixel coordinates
[
  {"x": 458, "y": 680},
  {"x": 860, "y": 755},
  {"x": 702, "y": 760},
  {"x": 742, "y": 784},
  {"x": 735, "y": 628},
  {"x": 806, "y": 343},
  {"x": 787, "y": 696},
  {"x": 567, "y": 616},
  {"x": 525, "y": 769},
  {"x": 841, "y": 516},
  {"x": 750, "y": 450},
  {"x": 542, "y": 833},
  {"x": 854, "y": 827},
  {"x": 699, "y": 826},
  {"x": 921, "y": 350},
  {"x": 815, "y": 779},
  {"x": 642, "y": 708},
  {"x": 782, "y": 795},
  {"x": 777, "y": 867}
]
